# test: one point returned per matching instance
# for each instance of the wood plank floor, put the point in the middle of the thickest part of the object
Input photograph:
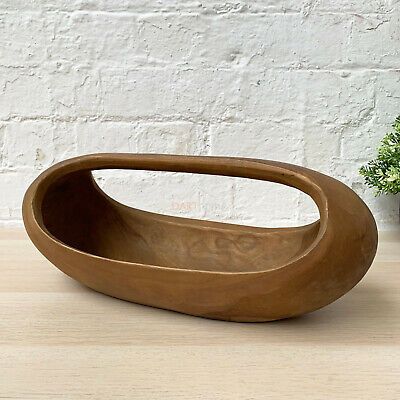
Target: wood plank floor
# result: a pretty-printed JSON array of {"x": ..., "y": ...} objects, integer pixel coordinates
[{"x": 60, "y": 340}]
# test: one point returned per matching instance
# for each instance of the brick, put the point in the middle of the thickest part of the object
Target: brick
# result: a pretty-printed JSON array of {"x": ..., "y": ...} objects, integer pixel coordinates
[
  {"x": 253, "y": 6},
  {"x": 273, "y": 40},
  {"x": 361, "y": 142},
  {"x": 374, "y": 41},
  {"x": 64, "y": 141},
  {"x": 151, "y": 93},
  {"x": 265, "y": 140},
  {"x": 171, "y": 137},
  {"x": 36, "y": 148},
  {"x": 209, "y": 7},
  {"x": 24, "y": 92},
  {"x": 2, "y": 140},
  {"x": 45, "y": 5},
  {"x": 387, "y": 96},
  {"x": 307, "y": 210},
  {"x": 338, "y": 97},
  {"x": 269, "y": 94},
  {"x": 321, "y": 145},
  {"x": 13, "y": 187},
  {"x": 90, "y": 39},
  {"x": 265, "y": 204},
  {"x": 276, "y": 40},
  {"x": 177, "y": 39},
  {"x": 161, "y": 192},
  {"x": 37, "y": 144},
  {"x": 74, "y": 90},
  {"x": 106, "y": 137},
  {"x": 346, "y": 171},
  {"x": 148, "y": 5},
  {"x": 217, "y": 198},
  {"x": 358, "y": 6},
  {"x": 25, "y": 38}
]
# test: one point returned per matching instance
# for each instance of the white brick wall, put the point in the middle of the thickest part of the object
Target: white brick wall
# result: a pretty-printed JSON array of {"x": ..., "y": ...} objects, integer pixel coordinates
[{"x": 313, "y": 82}]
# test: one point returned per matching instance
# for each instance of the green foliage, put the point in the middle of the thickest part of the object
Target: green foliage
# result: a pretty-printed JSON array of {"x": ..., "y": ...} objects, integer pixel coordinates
[{"x": 383, "y": 173}]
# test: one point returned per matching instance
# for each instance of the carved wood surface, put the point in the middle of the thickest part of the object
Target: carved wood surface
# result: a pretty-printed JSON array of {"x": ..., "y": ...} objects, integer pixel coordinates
[{"x": 203, "y": 268}]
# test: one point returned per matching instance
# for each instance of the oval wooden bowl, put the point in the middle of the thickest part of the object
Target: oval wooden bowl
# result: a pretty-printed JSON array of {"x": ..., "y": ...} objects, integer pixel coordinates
[{"x": 203, "y": 268}]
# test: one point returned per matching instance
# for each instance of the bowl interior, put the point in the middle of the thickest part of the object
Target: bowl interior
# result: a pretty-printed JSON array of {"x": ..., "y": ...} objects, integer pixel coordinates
[{"x": 79, "y": 214}]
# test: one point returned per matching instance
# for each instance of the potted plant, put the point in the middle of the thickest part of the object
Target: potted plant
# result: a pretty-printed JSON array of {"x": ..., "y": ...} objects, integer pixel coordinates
[{"x": 383, "y": 173}]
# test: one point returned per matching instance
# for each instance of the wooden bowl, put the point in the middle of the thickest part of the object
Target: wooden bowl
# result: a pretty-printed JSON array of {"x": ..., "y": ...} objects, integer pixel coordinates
[{"x": 209, "y": 269}]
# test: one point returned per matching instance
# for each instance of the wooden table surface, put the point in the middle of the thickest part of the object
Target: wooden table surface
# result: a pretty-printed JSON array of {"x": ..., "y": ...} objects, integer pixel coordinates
[{"x": 60, "y": 340}]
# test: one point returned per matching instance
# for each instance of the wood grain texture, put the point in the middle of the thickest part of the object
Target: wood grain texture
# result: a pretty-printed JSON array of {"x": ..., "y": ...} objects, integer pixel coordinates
[
  {"x": 203, "y": 268},
  {"x": 60, "y": 340}
]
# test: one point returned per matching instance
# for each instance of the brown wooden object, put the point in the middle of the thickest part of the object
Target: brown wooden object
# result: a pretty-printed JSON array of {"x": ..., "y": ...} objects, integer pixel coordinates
[{"x": 209, "y": 269}]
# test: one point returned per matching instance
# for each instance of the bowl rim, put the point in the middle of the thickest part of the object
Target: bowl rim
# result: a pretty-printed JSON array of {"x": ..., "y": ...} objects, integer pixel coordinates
[{"x": 306, "y": 181}]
